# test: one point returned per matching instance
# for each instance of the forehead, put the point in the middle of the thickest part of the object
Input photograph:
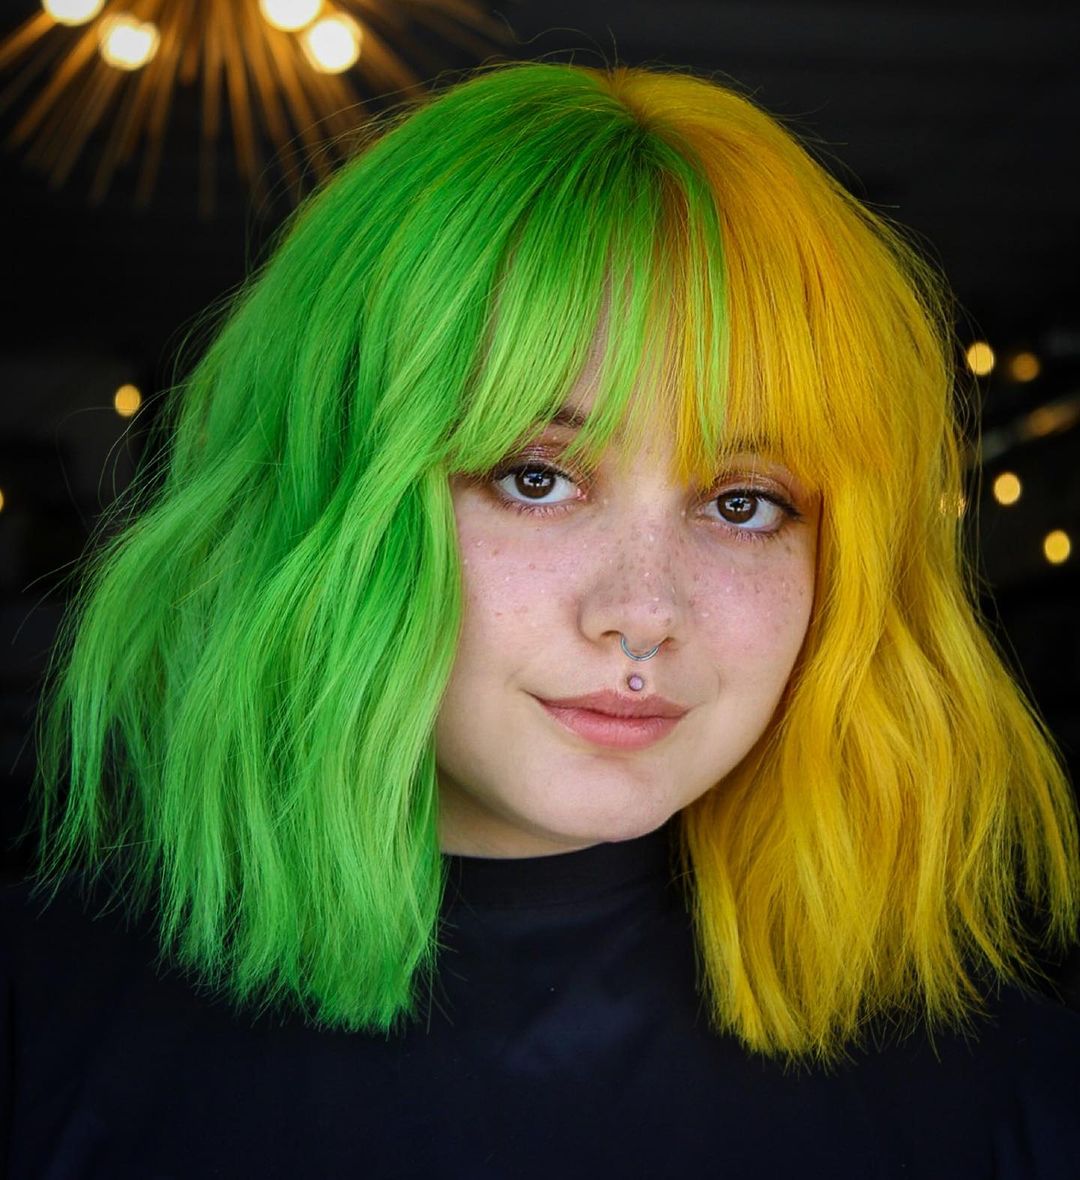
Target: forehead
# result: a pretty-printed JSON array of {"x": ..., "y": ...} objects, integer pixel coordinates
[{"x": 741, "y": 451}]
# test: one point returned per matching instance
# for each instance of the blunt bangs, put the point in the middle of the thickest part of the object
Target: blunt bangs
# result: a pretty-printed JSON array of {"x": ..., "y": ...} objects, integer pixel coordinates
[
  {"x": 711, "y": 269},
  {"x": 595, "y": 271}
]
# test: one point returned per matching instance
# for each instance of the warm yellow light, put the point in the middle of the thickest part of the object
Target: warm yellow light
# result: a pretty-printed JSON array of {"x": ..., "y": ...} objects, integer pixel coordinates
[
  {"x": 980, "y": 358},
  {"x": 127, "y": 43},
  {"x": 1007, "y": 488},
  {"x": 72, "y": 12},
  {"x": 1051, "y": 418},
  {"x": 332, "y": 44},
  {"x": 289, "y": 15},
  {"x": 1, "y": 501},
  {"x": 1057, "y": 546},
  {"x": 1024, "y": 366},
  {"x": 126, "y": 400}
]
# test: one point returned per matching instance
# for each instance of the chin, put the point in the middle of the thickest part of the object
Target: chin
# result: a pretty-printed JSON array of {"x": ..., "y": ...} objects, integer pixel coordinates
[{"x": 628, "y": 824}]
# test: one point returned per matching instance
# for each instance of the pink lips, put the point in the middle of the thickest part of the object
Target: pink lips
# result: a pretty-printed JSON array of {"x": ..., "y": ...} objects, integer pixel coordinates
[{"x": 614, "y": 720}]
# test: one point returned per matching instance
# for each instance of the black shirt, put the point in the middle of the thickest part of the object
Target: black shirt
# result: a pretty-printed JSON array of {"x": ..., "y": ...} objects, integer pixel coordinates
[{"x": 565, "y": 1038}]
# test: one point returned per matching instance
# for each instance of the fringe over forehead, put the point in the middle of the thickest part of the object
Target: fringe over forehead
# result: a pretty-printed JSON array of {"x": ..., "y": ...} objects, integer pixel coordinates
[{"x": 663, "y": 231}]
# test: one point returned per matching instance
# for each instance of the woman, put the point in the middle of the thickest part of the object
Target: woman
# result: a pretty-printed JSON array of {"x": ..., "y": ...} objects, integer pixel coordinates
[{"x": 577, "y": 396}]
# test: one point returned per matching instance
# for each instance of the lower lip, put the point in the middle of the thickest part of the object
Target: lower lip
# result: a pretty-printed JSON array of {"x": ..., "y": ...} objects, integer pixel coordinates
[{"x": 620, "y": 733}]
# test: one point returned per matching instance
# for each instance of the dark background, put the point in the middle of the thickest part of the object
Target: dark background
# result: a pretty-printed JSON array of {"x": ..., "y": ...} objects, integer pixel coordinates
[{"x": 955, "y": 118}]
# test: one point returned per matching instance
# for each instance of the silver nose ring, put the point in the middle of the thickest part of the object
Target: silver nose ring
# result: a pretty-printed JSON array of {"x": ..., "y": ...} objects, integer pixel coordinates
[{"x": 626, "y": 651}]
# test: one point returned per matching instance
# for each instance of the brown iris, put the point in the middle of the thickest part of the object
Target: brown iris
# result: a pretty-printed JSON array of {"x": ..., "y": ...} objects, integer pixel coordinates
[
  {"x": 535, "y": 480},
  {"x": 743, "y": 514}
]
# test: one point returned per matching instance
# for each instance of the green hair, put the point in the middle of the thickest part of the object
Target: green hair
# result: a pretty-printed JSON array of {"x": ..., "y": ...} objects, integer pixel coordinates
[{"x": 244, "y": 691}]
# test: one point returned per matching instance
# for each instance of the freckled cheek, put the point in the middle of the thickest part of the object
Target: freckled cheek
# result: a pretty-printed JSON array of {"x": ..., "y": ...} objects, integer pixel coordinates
[
  {"x": 755, "y": 618},
  {"x": 511, "y": 586}
]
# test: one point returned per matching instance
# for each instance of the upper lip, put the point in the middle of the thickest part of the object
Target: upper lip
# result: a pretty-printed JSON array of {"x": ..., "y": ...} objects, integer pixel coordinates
[{"x": 615, "y": 704}]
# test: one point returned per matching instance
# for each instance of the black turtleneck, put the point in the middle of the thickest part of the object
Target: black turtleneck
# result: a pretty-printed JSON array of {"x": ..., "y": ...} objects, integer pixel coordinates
[{"x": 564, "y": 1037}]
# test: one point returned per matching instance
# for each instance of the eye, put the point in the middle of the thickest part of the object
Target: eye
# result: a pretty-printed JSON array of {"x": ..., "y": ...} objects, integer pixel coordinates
[
  {"x": 746, "y": 513},
  {"x": 530, "y": 482},
  {"x": 758, "y": 510}
]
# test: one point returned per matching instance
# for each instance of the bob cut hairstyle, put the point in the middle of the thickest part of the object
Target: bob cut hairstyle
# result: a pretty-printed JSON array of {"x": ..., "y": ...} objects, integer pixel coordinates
[{"x": 237, "y": 724}]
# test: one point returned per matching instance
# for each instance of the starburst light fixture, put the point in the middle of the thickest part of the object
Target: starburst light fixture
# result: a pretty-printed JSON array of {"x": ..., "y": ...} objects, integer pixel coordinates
[{"x": 291, "y": 77}]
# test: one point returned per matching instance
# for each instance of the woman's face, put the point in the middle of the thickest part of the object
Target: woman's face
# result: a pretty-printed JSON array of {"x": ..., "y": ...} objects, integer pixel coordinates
[{"x": 555, "y": 567}]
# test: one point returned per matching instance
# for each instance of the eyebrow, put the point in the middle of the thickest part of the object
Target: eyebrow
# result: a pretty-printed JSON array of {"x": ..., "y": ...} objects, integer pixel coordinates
[{"x": 568, "y": 416}]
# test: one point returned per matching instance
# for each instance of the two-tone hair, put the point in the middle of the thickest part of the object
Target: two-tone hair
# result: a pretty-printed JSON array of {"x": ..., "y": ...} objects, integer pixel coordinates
[{"x": 242, "y": 701}]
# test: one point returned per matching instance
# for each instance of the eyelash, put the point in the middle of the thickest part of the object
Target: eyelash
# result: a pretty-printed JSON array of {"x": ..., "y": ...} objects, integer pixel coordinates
[{"x": 750, "y": 536}]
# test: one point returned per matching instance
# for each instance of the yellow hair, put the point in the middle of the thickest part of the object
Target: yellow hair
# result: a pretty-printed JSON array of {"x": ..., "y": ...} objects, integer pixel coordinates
[{"x": 882, "y": 837}]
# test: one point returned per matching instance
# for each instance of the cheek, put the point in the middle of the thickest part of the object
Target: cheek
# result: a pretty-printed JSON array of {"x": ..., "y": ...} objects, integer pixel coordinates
[
  {"x": 754, "y": 615},
  {"x": 511, "y": 587}
]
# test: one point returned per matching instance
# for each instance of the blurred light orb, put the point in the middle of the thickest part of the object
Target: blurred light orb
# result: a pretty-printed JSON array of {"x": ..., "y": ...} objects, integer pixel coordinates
[
  {"x": 127, "y": 43},
  {"x": 1, "y": 501},
  {"x": 289, "y": 15},
  {"x": 1007, "y": 488},
  {"x": 1052, "y": 418},
  {"x": 126, "y": 400},
  {"x": 72, "y": 12},
  {"x": 980, "y": 358},
  {"x": 1057, "y": 546},
  {"x": 332, "y": 44},
  {"x": 1024, "y": 366}
]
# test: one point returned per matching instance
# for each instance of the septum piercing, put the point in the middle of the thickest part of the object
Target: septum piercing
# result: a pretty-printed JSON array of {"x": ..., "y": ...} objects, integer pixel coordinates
[
  {"x": 647, "y": 656},
  {"x": 635, "y": 682}
]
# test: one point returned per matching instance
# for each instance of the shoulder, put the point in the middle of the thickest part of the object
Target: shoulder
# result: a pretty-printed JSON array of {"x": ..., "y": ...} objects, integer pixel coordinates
[
  {"x": 996, "y": 1098},
  {"x": 1033, "y": 1048},
  {"x": 61, "y": 951},
  {"x": 1039, "y": 1039},
  {"x": 1030, "y": 1036}
]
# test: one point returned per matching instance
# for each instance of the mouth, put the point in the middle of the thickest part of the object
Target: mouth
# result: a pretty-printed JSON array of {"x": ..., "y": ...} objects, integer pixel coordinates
[{"x": 604, "y": 729}]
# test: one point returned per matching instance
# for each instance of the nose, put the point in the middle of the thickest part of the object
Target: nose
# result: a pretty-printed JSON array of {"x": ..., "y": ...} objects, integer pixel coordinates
[{"x": 639, "y": 588}]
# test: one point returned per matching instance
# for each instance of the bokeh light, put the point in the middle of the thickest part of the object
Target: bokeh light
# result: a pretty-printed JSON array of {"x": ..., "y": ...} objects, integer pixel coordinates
[
  {"x": 126, "y": 43},
  {"x": 289, "y": 15},
  {"x": 332, "y": 44},
  {"x": 126, "y": 400},
  {"x": 72, "y": 12},
  {"x": 1057, "y": 546},
  {"x": 980, "y": 358},
  {"x": 1007, "y": 488},
  {"x": 1024, "y": 366}
]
